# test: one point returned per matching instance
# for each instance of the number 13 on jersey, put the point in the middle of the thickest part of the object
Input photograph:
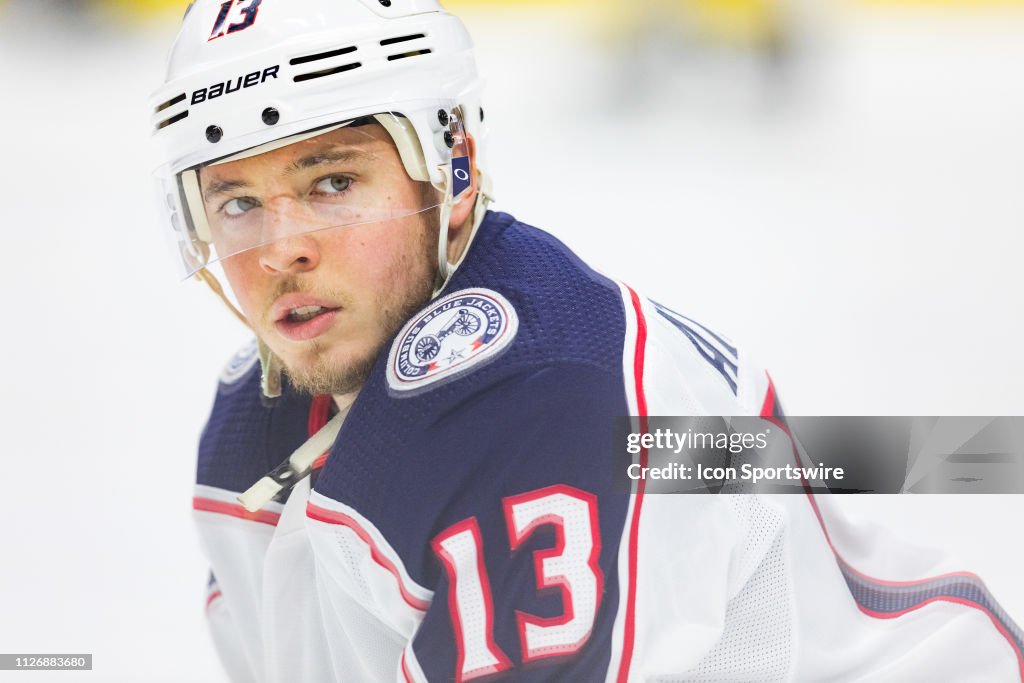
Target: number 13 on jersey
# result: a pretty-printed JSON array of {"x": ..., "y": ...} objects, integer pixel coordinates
[{"x": 571, "y": 566}]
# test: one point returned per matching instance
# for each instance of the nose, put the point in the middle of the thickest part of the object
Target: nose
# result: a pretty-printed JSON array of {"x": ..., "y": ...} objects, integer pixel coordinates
[
  {"x": 290, "y": 255},
  {"x": 291, "y": 246}
]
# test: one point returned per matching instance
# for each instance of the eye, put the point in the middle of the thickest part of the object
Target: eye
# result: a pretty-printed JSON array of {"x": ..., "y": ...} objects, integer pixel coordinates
[
  {"x": 239, "y": 205},
  {"x": 335, "y": 184}
]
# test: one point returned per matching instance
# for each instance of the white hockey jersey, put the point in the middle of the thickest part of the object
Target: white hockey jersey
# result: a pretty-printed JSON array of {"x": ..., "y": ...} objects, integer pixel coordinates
[{"x": 464, "y": 524}]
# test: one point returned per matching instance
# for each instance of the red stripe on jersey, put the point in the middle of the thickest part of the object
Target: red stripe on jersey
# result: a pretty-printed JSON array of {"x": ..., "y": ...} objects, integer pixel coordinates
[
  {"x": 405, "y": 670},
  {"x": 634, "y": 523},
  {"x": 333, "y": 517},
  {"x": 213, "y": 596},
  {"x": 319, "y": 413},
  {"x": 235, "y": 510},
  {"x": 768, "y": 407}
]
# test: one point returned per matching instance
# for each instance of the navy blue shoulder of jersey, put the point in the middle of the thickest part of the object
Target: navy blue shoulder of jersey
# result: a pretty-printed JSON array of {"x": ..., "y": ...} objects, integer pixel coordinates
[
  {"x": 538, "y": 414},
  {"x": 243, "y": 438}
]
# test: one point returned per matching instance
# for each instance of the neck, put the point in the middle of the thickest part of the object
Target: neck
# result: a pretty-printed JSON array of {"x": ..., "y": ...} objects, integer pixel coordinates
[
  {"x": 458, "y": 240},
  {"x": 344, "y": 401}
]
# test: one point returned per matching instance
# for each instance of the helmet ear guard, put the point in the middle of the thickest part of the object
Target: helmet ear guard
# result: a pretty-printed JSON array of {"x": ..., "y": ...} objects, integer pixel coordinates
[
  {"x": 189, "y": 181},
  {"x": 459, "y": 183},
  {"x": 404, "y": 136}
]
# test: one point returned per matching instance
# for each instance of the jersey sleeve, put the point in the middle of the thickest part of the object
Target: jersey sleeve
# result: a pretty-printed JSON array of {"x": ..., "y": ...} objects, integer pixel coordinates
[
  {"x": 214, "y": 474},
  {"x": 227, "y": 639},
  {"x": 691, "y": 369},
  {"x": 241, "y": 441},
  {"x": 785, "y": 588}
]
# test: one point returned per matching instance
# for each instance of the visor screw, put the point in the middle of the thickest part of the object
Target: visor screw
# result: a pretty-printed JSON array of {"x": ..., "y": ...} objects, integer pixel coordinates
[
  {"x": 442, "y": 117},
  {"x": 271, "y": 116},
  {"x": 449, "y": 139},
  {"x": 385, "y": 3},
  {"x": 214, "y": 133}
]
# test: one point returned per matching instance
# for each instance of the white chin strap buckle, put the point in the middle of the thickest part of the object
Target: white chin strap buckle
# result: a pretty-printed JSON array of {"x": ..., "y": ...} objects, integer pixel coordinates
[{"x": 298, "y": 465}]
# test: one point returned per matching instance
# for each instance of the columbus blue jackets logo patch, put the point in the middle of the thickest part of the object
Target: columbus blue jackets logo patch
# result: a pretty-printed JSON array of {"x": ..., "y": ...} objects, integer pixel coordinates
[
  {"x": 451, "y": 336},
  {"x": 240, "y": 364}
]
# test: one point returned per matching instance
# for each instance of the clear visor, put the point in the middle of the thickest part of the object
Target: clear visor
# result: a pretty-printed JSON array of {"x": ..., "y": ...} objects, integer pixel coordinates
[{"x": 343, "y": 176}]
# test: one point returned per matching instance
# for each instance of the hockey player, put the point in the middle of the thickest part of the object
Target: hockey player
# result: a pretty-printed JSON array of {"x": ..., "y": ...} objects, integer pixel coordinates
[{"x": 406, "y": 476}]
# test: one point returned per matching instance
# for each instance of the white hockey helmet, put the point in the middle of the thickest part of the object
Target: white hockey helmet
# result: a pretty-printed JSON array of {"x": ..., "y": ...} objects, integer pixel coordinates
[{"x": 248, "y": 76}]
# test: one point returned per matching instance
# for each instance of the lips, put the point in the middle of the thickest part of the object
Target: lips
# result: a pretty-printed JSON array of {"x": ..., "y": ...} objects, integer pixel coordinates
[{"x": 300, "y": 317}]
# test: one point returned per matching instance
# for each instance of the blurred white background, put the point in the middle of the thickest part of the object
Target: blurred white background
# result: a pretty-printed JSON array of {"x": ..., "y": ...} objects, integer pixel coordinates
[{"x": 836, "y": 186}]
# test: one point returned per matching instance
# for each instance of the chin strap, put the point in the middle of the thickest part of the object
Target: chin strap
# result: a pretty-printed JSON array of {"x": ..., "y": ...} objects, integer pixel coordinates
[
  {"x": 445, "y": 268},
  {"x": 270, "y": 365},
  {"x": 270, "y": 376},
  {"x": 211, "y": 281}
]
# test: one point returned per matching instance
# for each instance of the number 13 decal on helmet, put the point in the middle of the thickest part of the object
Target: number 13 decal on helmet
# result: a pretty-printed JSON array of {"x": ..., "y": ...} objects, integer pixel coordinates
[
  {"x": 571, "y": 566},
  {"x": 246, "y": 11}
]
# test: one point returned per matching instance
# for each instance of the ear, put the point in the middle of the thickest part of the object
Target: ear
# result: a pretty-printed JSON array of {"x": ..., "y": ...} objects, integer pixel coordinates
[{"x": 462, "y": 209}]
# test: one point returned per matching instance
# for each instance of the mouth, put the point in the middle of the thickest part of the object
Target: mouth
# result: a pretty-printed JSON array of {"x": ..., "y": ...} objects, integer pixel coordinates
[
  {"x": 305, "y": 313},
  {"x": 303, "y": 320}
]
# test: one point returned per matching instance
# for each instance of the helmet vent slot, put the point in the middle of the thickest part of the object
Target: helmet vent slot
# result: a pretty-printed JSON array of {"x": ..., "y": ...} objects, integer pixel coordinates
[
  {"x": 321, "y": 55},
  {"x": 171, "y": 102},
  {"x": 174, "y": 119},
  {"x": 401, "y": 39},
  {"x": 414, "y": 53},
  {"x": 327, "y": 72}
]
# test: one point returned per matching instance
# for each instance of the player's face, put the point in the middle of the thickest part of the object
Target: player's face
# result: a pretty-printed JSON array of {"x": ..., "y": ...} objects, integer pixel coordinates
[{"x": 325, "y": 299}]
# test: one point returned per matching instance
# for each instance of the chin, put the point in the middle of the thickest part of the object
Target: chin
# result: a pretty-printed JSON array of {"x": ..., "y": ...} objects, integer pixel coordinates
[{"x": 338, "y": 372}]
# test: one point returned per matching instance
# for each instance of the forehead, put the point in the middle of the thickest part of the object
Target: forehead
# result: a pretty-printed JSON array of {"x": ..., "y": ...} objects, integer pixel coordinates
[{"x": 366, "y": 146}]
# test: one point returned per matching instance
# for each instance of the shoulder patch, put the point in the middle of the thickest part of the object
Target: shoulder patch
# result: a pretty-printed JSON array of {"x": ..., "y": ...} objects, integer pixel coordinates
[
  {"x": 450, "y": 337},
  {"x": 240, "y": 364}
]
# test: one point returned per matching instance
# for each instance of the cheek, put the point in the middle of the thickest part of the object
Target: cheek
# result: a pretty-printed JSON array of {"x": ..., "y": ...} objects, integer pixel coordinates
[{"x": 381, "y": 260}]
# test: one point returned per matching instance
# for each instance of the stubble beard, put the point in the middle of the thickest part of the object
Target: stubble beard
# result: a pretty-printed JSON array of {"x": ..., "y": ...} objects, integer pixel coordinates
[{"x": 322, "y": 374}]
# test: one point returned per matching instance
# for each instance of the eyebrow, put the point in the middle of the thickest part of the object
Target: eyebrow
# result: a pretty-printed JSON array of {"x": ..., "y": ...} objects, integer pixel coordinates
[
  {"x": 222, "y": 187},
  {"x": 321, "y": 158},
  {"x": 329, "y": 156}
]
